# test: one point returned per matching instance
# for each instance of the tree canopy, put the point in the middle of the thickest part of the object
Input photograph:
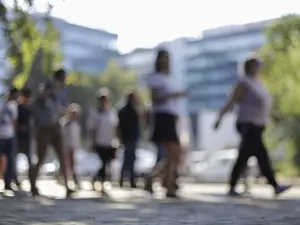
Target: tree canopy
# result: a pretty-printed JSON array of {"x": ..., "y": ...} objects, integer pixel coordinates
[{"x": 281, "y": 60}]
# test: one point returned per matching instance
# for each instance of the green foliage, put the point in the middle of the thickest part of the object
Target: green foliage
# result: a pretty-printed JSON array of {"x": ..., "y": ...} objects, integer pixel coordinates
[
  {"x": 281, "y": 60},
  {"x": 31, "y": 53}
]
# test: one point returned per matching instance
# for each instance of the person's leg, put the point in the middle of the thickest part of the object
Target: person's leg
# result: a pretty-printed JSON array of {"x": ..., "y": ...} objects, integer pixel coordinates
[
  {"x": 132, "y": 158},
  {"x": 244, "y": 153},
  {"x": 24, "y": 146},
  {"x": 125, "y": 166},
  {"x": 9, "y": 174},
  {"x": 263, "y": 159},
  {"x": 56, "y": 142},
  {"x": 72, "y": 168},
  {"x": 42, "y": 142}
]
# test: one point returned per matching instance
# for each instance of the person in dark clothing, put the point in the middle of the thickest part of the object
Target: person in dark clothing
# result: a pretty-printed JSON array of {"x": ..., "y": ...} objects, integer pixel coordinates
[
  {"x": 129, "y": 133},
  {"x": 255, "y": 104},
  {"x": 24, "y": 127}
]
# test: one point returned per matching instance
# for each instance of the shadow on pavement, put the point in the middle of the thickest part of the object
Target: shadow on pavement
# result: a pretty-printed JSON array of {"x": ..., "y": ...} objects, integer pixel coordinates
[{"x": 213, "y": 209}]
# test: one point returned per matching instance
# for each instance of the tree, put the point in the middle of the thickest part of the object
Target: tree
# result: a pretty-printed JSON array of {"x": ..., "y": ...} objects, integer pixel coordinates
[
  {"x": 32, "y": 53},
  {"x": 118, "y": 81},
  {"x": 281, "y": 60}
]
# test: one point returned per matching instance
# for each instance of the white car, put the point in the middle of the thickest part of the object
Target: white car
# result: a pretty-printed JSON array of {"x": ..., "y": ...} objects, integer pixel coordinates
[{"x": 217, "y": 167}]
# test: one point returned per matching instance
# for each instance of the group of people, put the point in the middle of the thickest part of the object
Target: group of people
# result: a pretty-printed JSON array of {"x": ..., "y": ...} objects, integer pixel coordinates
[{"x": 55, "y": 122}]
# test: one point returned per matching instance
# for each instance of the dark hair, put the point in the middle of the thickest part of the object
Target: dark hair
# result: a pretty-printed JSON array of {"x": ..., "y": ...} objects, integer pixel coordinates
[
  {"x": 251, "y": 65},
  {"x": 26, "y": 92},
  {"x": 160, "y": 65},
  {"x": 59, "y": 74},
  {"x": 13, "y": 91}
]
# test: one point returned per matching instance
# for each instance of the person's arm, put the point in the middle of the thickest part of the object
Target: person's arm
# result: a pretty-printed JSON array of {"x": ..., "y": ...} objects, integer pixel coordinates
[
  {"x": 237, "y": 94},
  {"x": 159, "y": 98}
]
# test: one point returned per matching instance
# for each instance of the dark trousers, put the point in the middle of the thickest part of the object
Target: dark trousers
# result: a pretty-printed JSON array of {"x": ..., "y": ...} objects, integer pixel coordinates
[
  {"x": 128, "y": 163},
  {"x": 252, "y": 145},
  {"x": 6, "y": 149},
  {"x": 106, "y": 154},
  {"x": 24, "y": 146}
]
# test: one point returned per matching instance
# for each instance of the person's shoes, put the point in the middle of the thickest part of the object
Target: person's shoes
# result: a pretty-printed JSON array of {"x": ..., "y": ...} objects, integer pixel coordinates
[
  {"x": 171, "y": 195},
  {"x": 133, "y": 185},
  {"x": 35, "y": 191},
  {"x": 69, "y": 192},
  {"x": 18, "y": 184},
  {"x": 233, "y": 193},
  {"x": 8, "y": 188},
  {"x": 281, "y": 189}
]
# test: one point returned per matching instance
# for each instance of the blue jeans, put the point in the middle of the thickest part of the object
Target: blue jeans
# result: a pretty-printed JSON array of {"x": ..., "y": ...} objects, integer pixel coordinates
[
  {"x": 7, "y": 149},
  {"x": 129, "y": 160}
]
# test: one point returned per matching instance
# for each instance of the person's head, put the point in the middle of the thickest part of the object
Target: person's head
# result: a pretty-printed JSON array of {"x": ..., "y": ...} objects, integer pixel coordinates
[
  {"x": 25, "y": 95},
  {"x": 59, "y": 77},
  {"x": 13, "y": 94},
  {"x": 252, "y": 67},
  {"x": 132, "y": 98},
  {"x": 74, "y": 111},
  {"x": 103, "y": 98},
  {"x": 162, "y": 62},
  {"x": 45, "y": 90}
]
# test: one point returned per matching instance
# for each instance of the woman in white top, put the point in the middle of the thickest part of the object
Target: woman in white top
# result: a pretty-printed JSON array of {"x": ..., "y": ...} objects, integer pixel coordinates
[
  {"x": 71, "y": 138},
  {"x": 254, "y": 108},
  {"x": 103, "y": 128},
  {"x": 164, "y": 131}
]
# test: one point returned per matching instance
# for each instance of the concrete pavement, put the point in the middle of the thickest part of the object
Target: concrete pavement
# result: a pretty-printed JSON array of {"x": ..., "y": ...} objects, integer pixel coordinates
[{"x": 199, "y": 204}]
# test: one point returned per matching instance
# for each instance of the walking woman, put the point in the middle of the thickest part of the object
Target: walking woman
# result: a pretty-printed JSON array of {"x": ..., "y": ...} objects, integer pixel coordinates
[
  {"x": 254, "y": 108},
  {"x": 103, "y": 130},
  {"x": 164, "y": 131}
]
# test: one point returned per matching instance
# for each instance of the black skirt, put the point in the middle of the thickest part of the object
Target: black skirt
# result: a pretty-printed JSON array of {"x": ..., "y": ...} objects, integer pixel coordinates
[{"x": 164, "y": 128}]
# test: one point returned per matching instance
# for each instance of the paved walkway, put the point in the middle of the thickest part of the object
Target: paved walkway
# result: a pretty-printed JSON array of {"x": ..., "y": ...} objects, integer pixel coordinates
[{"x": 200, "y": 204}]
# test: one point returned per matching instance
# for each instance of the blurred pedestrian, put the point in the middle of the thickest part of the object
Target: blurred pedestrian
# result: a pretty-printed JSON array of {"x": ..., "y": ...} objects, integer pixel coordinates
[
  {"x": 164, "y": 131},
  {"x": 48, "y": 132},
  {"x": 129, "y": 134},
  {"x": 24, "y": 127},
  {"x": 102, "y": 126},
  {"x": 8, "y": 117},
  {"x": 254, "y": 110},
  {"x": 72, "y": 139}
]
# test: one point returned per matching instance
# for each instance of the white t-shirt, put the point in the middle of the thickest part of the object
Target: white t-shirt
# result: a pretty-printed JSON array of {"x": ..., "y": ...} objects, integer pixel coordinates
[
  {"x": 163, "y": 84},
  {"x": 8, "y": 114},
  {"x": 104, "y": 124},
  {"x": 72, "y": 134}
]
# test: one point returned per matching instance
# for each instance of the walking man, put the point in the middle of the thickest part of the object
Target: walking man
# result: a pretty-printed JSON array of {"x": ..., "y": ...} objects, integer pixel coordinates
[
  {"x": 24, "y": 127},
  {"x": 129, "y": 133},
  {"x": 8, "y": 116},
  {"x": 48, "y": 132}
]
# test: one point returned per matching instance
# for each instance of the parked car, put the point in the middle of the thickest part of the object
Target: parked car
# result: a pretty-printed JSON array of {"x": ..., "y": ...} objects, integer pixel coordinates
[{"x": 217, "y": 167}]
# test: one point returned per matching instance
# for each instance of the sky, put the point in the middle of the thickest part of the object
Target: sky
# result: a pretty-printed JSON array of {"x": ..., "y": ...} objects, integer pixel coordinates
[{"x": 145, "y": 23}]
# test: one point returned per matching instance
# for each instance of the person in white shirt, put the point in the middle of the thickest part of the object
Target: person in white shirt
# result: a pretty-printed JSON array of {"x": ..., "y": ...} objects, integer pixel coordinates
[
  {"x": 71, "y": 131},
  {"x": 8, "y": 117},
  {"x": 102, "y": 125},
  {"x": 165, "y": 117}
]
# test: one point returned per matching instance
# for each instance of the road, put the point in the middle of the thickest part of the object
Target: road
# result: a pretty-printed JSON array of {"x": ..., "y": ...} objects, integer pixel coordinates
[{"x": 199, "y": 204}]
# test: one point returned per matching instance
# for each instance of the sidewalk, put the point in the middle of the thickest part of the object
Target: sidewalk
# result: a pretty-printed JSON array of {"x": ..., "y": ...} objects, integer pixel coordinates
[{"x": 199, "y": 204}]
